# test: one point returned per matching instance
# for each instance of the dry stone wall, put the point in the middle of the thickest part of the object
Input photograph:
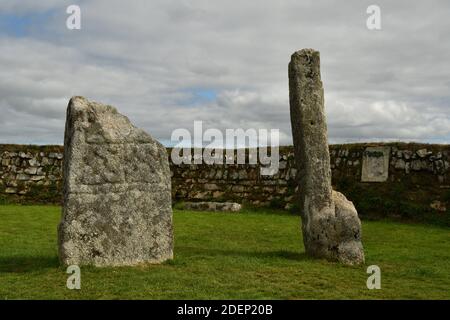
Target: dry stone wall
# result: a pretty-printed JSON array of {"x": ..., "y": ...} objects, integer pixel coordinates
[
  {"x": 418, "y": 178},
  {"x": 31, "y": 173}
]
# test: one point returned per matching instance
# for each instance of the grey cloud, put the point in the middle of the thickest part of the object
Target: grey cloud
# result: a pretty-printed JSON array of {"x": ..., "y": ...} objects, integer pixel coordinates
[{"x": 145, "y": 57}]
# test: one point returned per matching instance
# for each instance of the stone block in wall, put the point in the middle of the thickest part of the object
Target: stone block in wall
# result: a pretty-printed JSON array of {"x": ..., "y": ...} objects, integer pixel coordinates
[
  {"x": 375, "y": 165},
  {"x": 31, "y": 170},
  {"x": 218, "y": 194},
  {"x": 34, "y": 162},
  {"x": 219, "y": 174},
  {"x": 26, "y": 155},
  {"x": 233, "y": 175},
  {"x": 416, "y": 165},
  {"x": 10, "y": 190},
  {"x": 242, "y": 174},
  {"x": 407, "y": 154},
  {"x": 211, "y": 187},
  {"x": 269, "y": 182},
  {"x": 422, "y": 153},
  {"x": 55, "y": 155},
  {"x": 400, "y": 164},
  {"x": 46, "y": 161},
  {"x": 212, "y": 173},
  {"x": 238, "y": 188},
  {"x": 23, "y": 177}
]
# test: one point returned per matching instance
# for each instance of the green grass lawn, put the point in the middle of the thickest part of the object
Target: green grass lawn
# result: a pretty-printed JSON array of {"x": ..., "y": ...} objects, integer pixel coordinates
[{"x": 250, "y": 255}]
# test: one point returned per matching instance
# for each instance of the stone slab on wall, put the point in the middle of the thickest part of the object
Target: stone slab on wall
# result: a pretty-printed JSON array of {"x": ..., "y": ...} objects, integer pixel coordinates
[{"x": 375, "y": 164}]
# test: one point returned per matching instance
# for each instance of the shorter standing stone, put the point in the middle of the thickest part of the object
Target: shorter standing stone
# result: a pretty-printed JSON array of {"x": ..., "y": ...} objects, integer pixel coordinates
[{"x": 117, "y": 191}]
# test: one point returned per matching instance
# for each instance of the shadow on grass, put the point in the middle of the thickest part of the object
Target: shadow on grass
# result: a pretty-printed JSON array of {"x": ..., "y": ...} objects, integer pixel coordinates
[
  {"x": 278, "y": 254},
  {"x": 27, "y": 264},
  {"x": 21, "y": 264}
]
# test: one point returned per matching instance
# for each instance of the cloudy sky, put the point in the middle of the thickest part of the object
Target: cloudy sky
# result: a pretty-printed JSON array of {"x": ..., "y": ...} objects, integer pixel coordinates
[{"x": 167, "y": 63}]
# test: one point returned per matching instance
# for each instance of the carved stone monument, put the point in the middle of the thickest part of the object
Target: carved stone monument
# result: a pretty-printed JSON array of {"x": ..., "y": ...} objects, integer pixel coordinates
[
  {"x": 117, "y": 191},
  {"x": 330, "y": 224},
  {"x": 375, "y": 164}
]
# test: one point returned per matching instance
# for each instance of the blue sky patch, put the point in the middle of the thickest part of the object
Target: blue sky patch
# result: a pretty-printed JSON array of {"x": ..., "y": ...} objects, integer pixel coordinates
[
  {"x": 200, "y": 95},
  {"x": 206, "y": 94},
  {"x": 16, "y": 25}
]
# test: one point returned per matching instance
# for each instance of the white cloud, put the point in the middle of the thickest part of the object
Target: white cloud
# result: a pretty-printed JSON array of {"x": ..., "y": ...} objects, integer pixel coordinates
[{"x": 148, "y": 57}]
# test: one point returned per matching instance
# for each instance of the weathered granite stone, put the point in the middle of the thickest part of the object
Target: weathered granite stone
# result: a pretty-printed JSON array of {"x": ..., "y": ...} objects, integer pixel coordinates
[
  {"x": 331, "y": 227},
  {"x": 117, "y": 191}
]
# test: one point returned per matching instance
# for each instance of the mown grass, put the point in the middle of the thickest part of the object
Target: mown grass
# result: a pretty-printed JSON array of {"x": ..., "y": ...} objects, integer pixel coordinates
[{"x": 250, "y": 255}]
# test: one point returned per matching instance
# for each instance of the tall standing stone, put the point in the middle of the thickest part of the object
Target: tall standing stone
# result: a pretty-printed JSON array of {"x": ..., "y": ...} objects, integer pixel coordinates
[
  {"x": 117, "y": 191},
  {"x": 330, "y": 224}
]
